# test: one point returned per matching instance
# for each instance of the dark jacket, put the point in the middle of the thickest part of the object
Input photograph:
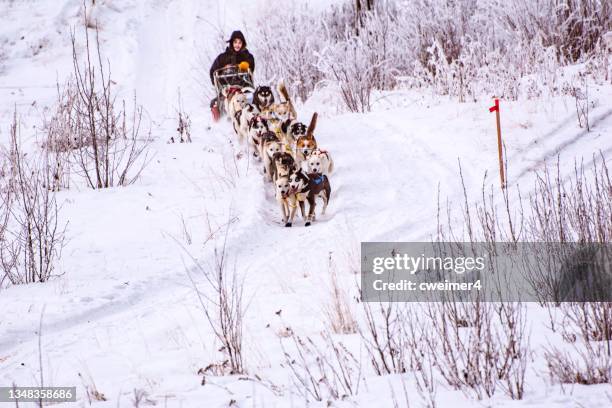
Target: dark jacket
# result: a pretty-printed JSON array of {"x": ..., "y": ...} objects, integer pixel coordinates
[{"x": 230, "y": 57}]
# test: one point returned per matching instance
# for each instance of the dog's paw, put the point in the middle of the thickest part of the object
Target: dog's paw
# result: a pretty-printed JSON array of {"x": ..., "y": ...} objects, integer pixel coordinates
[{"x": 288, "y": 224}]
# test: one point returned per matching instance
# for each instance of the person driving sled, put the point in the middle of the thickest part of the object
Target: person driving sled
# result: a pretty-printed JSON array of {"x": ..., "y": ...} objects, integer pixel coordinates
[{"x": 235, "y": 53}]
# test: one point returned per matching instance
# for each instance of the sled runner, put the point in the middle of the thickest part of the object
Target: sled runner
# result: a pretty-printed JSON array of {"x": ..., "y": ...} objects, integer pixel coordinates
[{"x": 228, "y": 80}]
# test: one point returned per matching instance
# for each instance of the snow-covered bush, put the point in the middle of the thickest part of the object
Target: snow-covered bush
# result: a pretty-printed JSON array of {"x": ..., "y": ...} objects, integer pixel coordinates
[
  {"x": 109, "y": 147},
  {"x": 31, "y": 235},
  {"x": 464, "y": 49},
  {"x": 286, "y": 44}
]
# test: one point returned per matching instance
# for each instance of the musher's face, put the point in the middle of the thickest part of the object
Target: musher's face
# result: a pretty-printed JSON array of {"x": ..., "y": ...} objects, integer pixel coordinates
[{"x": 237, "y": 44}]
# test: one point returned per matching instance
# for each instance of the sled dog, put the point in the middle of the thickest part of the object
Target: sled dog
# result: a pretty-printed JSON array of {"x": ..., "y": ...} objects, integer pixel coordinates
[
  {"x": 281, "y": 186},
  {"x": 319, "y": 187},
  {"x": 319, "y": 161},
  {"x": 263, "y": 98}
]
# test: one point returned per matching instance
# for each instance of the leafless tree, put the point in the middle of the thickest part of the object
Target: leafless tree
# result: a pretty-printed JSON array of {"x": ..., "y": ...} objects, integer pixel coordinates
[{"x": 109, "y": 148}]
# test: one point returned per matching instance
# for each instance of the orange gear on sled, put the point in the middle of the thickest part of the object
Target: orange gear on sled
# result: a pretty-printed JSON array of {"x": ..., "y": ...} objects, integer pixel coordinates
[{"x": 244, "y": 66}]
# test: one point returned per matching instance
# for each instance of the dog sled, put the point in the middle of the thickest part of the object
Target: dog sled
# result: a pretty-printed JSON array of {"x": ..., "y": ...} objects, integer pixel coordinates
[{"x": 227, "y": 80}]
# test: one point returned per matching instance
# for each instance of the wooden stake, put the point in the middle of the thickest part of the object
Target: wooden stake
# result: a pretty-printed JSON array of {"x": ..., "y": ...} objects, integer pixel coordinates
[{"x": 499, "y": 144}]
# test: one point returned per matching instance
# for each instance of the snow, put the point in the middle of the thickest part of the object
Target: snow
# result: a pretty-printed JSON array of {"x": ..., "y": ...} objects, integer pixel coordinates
[{"x": 123, "y": 313}]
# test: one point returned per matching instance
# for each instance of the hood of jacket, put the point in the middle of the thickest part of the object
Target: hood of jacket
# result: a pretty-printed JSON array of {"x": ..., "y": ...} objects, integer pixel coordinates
[{"x": 237, "y": 34}]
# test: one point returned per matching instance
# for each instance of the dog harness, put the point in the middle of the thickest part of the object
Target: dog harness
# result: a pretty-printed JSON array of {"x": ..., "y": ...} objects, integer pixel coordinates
[{"x": 318, "y": 180}]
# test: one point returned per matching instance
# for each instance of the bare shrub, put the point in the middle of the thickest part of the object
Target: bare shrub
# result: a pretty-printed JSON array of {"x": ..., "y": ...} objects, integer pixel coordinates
[
  {"x": 109, "y": 148},
  {"x": 587, "y": 327},
  {"x": 183, "y": 128},
  {"x": 385, "y": 337},
  {"x": 421, "y": 360},
  {"x": 223, "y": 308},
  {"x": 477, "y": 346},
  {"x": 323, "y": 372},
  {"x": 338, "y": 310},
  {"x": 91, "y": 390},
  {"x": 576, "y": 210},
  {"x": 32, "y": 235},
  {"x": 141, "y": 397},
  {"x": 580, "y": 93},
  {"x": 59, "y": 138},
  {"x": 587, "y": 364}
]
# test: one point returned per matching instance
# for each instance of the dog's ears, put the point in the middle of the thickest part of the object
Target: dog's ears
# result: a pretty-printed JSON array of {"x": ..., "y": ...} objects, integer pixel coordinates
[
  {"x": 312, "y": 125},
  {"x": 285, "y": 125}
]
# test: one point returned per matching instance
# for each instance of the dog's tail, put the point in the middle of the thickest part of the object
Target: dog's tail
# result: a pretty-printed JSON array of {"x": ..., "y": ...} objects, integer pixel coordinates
[
  {"x": 312, "y": 125},
  {"x": 282, "y": 90},
  {"x": 330, "y": 168}
]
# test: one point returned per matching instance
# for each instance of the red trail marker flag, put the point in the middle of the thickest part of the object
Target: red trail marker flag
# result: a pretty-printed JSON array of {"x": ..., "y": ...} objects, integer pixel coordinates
[{"x": 495, "y": 108}]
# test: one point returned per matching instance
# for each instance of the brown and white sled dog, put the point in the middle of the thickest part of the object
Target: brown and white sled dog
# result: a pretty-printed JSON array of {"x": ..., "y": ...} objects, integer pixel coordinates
[
  {"x": 270, "y": 145},
  {"x": 282, "y": 165},
  {"x": 307, "y": 143},
  {"x": 318, "y": 187},
  {"x": 303, "y": 147},
  {"x": 319, "y": 161},
  {"x": 283, "y": 111},
  {"x": 229, "y": 93}
]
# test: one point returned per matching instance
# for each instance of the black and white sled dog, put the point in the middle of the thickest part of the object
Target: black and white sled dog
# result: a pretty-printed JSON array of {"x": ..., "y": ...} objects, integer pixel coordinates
[
  {"x": 257, "y": 128},
  {"x": 292, "y": 129},
  {"x": 263, "y": 98},
  {"x": 248, "y": 112}
]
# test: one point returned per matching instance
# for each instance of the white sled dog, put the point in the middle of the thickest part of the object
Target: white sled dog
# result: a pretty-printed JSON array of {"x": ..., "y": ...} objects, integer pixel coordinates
[{"x": 319, "y": 161}]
